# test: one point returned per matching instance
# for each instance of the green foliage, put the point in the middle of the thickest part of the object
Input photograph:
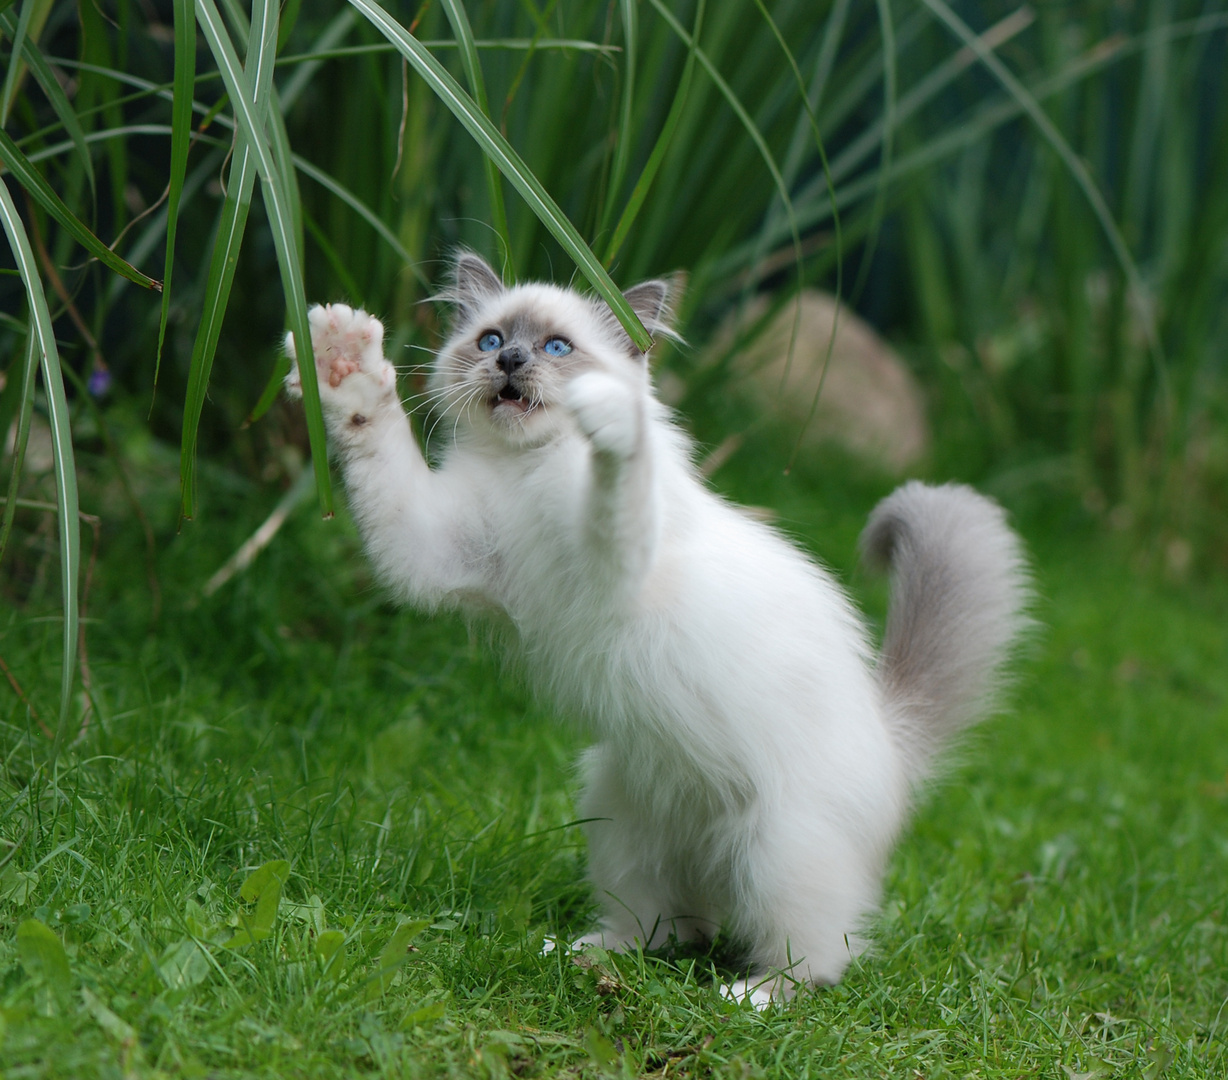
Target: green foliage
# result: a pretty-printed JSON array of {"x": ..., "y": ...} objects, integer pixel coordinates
[
  {"x": 263, "y": 889},
  {"x": 41, "y": 343},
  {"x": 32, "y": 180},
  {"x": 1044, "y": 191},
  {"x": 42, "y": 955},
  {"x": 1092, "y": 337}
]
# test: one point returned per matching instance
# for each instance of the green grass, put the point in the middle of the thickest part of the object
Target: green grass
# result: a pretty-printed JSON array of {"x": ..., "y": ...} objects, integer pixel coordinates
[{"x": 1058, "y": 908}]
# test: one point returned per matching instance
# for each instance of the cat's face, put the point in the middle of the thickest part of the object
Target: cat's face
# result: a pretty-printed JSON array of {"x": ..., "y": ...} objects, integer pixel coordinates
[{"x": 512, "y": 351}]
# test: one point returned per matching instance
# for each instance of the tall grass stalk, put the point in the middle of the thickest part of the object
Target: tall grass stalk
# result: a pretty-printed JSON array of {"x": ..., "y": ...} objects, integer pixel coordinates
[{"x": 1032, "y": 201}]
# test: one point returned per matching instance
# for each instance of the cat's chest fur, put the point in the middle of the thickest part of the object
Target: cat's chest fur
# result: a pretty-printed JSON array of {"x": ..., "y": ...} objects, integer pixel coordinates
[
  {"x": 533, "y": 533},
  {"x": 621, "y": 651}
]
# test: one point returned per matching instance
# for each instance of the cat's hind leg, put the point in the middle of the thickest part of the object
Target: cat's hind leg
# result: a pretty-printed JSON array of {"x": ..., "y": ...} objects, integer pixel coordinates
[
  {"x": 809, "y": 885},
  {"x": 637, "y": 874}
]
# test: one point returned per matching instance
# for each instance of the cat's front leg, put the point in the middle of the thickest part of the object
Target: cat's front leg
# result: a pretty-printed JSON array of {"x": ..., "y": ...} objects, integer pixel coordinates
[
  {"x": 608, "y": 412},
  {"x": 418, "y": 530},
  {"x": 612, "y": 414}
]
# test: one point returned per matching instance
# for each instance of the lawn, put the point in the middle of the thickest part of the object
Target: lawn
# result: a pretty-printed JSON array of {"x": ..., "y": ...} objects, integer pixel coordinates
[{"x": 1058, "y": 908}]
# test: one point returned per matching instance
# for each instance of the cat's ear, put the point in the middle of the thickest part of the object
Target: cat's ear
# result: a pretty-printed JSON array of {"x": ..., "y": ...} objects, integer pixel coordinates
[
  {"x": 474, "y": 284},
  {"x": 653, "y": 301},
  {"x": 650, "y": 301}
]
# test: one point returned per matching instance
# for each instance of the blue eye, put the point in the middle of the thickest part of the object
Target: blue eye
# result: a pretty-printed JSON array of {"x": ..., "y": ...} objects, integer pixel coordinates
[
  {"x": 557, "y": 346},
  {"x": 490, "y": 341}
]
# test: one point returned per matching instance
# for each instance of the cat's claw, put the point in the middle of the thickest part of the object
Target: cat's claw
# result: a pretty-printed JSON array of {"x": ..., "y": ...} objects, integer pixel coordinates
[
  {"x": 348, "y": 346},
  {"x": 606, "y": 411}
]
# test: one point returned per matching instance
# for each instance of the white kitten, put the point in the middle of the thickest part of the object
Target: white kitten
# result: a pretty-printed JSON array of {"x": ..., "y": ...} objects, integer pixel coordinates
[{"x": 753, "y": 765}]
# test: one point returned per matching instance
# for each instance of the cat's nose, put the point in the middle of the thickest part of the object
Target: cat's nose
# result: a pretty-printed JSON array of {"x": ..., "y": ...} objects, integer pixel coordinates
[{"x": 510, "y": 359}]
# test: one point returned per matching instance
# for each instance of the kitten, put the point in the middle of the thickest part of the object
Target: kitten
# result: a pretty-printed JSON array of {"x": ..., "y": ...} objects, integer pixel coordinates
[{"x": 753, "y": 762}]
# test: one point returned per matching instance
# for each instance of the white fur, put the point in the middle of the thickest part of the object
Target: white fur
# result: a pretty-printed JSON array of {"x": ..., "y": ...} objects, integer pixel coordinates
[{"x": 745, "y": 771}]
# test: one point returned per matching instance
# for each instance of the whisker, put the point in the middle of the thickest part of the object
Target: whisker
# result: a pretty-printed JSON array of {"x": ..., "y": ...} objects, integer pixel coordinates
[
  {"x": 535, "y": 401},
  {"x": 430, "y": 433},
  {"x": 477, "y": 396},
  {"x": 463, "y": 412},
  {"x": 414, "y": 371},
  {"x": 439, "y": 394},
  {"x": 462, "y": 397}
]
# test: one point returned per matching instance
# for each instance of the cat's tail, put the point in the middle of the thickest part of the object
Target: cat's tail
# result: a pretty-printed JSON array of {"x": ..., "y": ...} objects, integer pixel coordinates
[{"x": 959, "y": 590}]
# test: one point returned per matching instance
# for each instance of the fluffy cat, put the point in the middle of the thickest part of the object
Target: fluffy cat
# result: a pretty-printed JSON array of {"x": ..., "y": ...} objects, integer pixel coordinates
[{"x": 753, "y": 763}]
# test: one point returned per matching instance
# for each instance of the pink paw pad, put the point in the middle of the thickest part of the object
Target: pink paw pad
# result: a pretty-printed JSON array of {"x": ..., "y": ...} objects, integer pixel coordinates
[{"x": 345, "y": 342}]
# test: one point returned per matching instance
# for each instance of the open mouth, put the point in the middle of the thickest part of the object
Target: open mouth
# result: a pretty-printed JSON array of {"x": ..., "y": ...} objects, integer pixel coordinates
[{"x": 509, "y": 395}]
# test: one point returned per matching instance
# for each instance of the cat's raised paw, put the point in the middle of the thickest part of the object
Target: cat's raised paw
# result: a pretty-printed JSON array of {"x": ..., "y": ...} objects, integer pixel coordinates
[
  {"x": 607, "y": 411},
  {"x": 348, "y": 346}
]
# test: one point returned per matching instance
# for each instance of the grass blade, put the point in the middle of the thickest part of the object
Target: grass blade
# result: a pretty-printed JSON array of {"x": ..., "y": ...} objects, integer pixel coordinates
[
  {"x": 752, "y": 129},
  {"x": 231, "y": 225},
  {"x": 10, "y": 392},
  {"x": 509, "y": 163},
  {"x": 805, "y": 126},
  {"x": 455, "y": 11},
  {"x": 50, "y": 86},
  {"x": 322, "y": 50},
  {"x": 271, "y": 389},
  {"x": 349, "y": 284},
  {"x": 32, "y": 180},
  {"x": 25, "y": 408},
  {"x": 808, "y": 109},
  {"x": 61, "y": 444},
  {"x": 1139, "y": 294},
  {"x": 887, "y": 29},
  {"x": 250, "y": 106},
  {"x": 181, "y": 134},
  {"x": 271, "y": 114},
  {"x": 626, "y": 126},
  {"x": 941, "y": 76},
  {"x": 1154, "y": 88},
  {"x": 152, "y": 234},
  {"x": 808, "y": 114},
  {"x": 283, "y": 162},
  {"x": 106, "y": 135},
  {"x": 16, "y": 67},
  {"x": 651, "y": 167},
  {"x": 813, "y": 211},
  {"x": 362, "y": 210},
  {"x": 98, "y": 44}
]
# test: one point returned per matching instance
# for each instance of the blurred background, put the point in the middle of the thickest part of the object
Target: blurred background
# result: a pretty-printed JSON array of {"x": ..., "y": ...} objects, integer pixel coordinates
[{"x": 1022, "y": 209}]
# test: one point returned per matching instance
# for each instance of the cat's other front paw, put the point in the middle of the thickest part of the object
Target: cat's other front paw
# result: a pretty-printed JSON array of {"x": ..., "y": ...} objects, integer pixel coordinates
[
  {"x": 606, "y": 411},
  {"x": 348, "y": 346}
]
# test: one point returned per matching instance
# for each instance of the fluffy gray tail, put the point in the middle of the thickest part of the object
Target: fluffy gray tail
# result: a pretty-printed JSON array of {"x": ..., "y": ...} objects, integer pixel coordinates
[{"x": 959, "y": 587}]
